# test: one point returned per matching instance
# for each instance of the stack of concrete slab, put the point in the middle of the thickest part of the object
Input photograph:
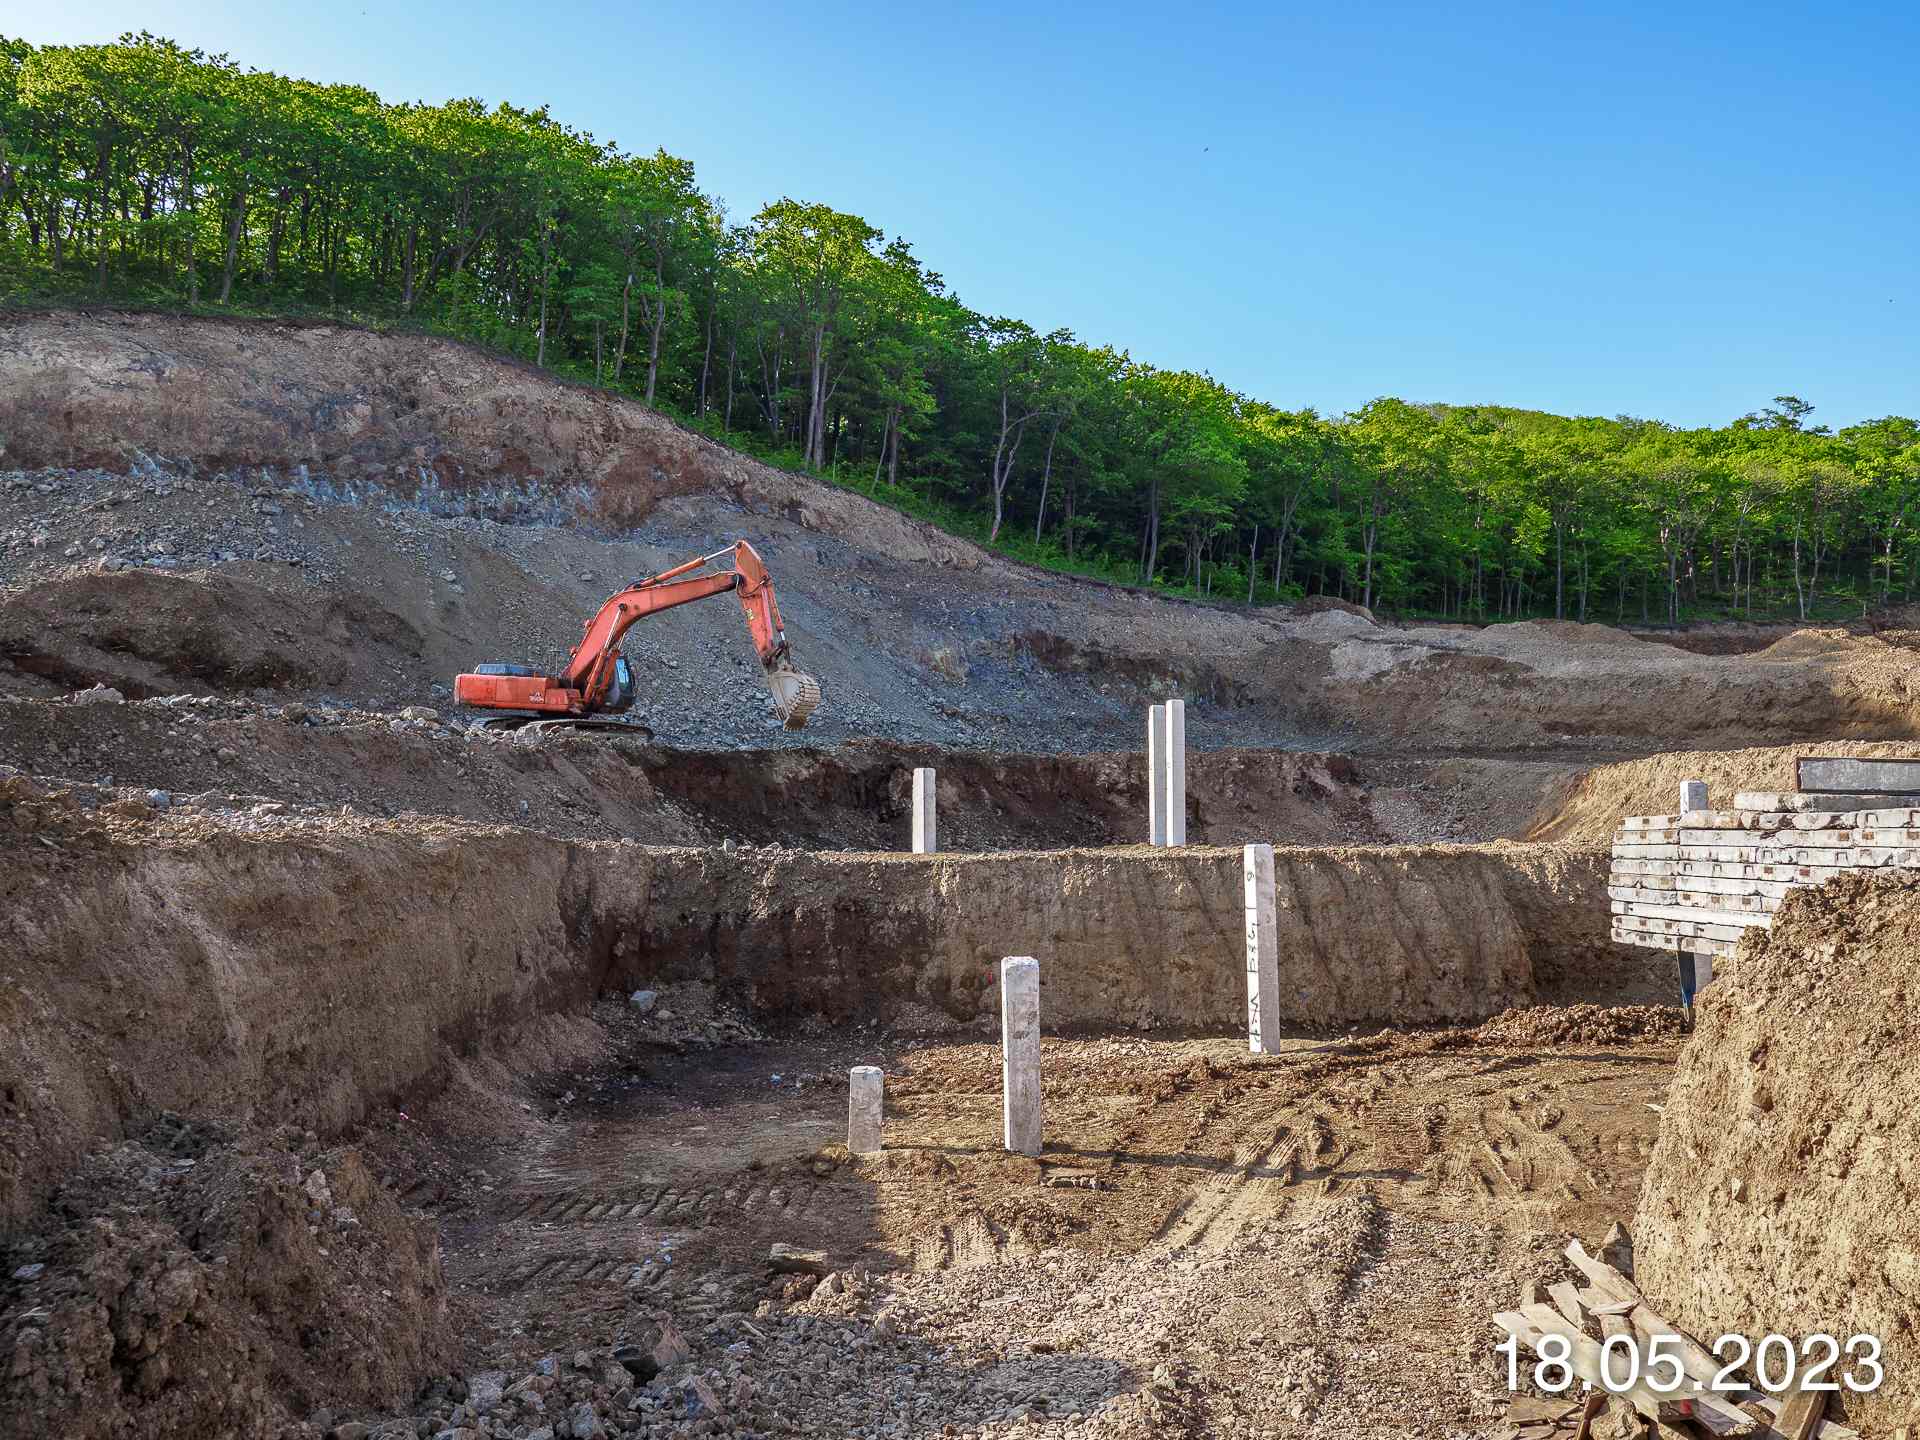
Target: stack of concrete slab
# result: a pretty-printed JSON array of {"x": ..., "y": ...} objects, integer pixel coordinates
[{"x": 1696, "y": 881}]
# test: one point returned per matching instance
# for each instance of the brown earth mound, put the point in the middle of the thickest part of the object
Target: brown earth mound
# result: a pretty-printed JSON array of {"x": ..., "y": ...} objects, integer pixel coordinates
[
  {"x": 189, "y": 1284},
  {"x": 608, "y": 786},
  {"x": 1587, "y": 808},
  {"x": 1782, "y": 1195},
  {"x": 1540, "y": 1026}
]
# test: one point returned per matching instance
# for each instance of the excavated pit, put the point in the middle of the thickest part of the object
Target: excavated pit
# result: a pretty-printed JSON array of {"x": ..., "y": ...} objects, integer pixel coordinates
[
  {"x": 205, "y": 1008},
  {"x": 289, "y": 966}
]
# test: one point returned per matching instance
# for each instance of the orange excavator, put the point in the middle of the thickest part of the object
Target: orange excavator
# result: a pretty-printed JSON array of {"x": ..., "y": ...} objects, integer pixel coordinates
[{"x": 598, "y": 680}]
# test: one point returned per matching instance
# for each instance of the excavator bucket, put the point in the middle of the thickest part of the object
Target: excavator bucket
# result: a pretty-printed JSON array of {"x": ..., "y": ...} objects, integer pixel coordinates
[{"x": 795, "y": 696}]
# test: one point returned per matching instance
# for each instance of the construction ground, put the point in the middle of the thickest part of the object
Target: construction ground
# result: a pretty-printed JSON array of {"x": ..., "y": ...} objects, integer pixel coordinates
[{"x": 363, "y": 1073}]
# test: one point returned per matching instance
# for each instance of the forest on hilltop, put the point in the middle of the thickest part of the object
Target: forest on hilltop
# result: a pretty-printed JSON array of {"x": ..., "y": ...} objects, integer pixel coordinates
[{"x": 143, "y": 173}]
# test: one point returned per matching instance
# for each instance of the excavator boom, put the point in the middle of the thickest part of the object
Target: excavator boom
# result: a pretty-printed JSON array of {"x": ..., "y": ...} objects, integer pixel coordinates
[{"x": 597, "y": 680}]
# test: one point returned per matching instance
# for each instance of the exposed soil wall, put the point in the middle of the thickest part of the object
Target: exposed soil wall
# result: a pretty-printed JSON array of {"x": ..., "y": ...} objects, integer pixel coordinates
[
  {"x": 1782, "y": 1196},
  {"x": 196, "y": 968},
  {"x": 395, "y": 412},
  {"x": 1126, "y": 938},
  {"x": 854, "y": 796},
  {"x": 273, "y": 968},
  {"x": 1559, "y": 898}
]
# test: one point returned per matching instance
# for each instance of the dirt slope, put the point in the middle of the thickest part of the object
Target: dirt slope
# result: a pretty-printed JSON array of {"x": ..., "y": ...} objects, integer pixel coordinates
[
  {"x": 1587, "y": 808},
  {"x": 855, "y": 796},
  {"x": 314, "y": 511},
  {"x": 1781, "y": 1197}
]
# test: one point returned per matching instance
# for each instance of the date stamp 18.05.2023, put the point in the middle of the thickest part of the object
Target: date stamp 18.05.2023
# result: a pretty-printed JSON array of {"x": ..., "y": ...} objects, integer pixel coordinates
[{"x": 1777, "y": 1364}]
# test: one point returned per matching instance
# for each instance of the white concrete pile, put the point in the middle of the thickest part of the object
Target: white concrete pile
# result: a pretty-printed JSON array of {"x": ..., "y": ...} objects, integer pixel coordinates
[{"x": 1696, "y": 881}]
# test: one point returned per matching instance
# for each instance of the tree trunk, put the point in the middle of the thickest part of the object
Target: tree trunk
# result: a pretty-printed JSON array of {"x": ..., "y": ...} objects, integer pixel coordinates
[
  {"x": 186, "y": 205},
  {"x": 235, "y": 221},
  {"x": 659, "y": 318},
  {"x": 546, "y": 278},
  {"x": 106, "y": 172},
  {"x": 1153, "y": 532},
  {"x": 626, "y": 314},
  {"x": 1004, "y": 456},
  {"x": 1559, "y": 573},
  {"x": 1046, "y": 478},
  {"x": 276, "y": 236},
  {"x": 813, "y": 450},
  {"x": 1253, "y": 556},
  {"x": 706, "y": 365}
]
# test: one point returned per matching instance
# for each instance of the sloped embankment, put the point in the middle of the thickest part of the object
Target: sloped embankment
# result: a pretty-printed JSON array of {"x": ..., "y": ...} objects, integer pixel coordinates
[
  {"x": 1588, "y": 808},
  {"x": 1782, "y": 1196},
  {"x": 386, "y": 412}
]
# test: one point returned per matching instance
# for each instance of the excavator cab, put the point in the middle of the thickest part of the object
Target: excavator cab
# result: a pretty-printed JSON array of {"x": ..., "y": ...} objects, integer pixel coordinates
[{"x": 620, "y": 694}]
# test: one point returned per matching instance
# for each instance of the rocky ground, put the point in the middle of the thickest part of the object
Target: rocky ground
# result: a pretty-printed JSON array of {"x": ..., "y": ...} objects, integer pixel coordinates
[
  {"x": 1211, "y": 1244},
  {"x": 328, "y": 514}
]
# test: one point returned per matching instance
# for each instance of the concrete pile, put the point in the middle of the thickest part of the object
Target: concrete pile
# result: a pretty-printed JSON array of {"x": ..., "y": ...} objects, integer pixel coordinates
[{"x": 1697, "y": 881}]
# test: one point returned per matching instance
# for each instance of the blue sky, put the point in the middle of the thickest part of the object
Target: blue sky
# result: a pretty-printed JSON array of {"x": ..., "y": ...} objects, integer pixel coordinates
[{"x": 1666, "y": 210}]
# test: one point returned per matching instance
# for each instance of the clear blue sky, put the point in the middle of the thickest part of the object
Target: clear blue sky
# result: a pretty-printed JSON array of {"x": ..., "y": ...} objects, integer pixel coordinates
[{"x": 1673, "y": 210}]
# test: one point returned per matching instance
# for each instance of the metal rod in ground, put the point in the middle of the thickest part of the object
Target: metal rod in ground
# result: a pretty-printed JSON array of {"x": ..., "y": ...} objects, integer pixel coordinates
[
  {"x": 925, "y": 837},
  {"x": 1695, "y": 970},
  {"x": 1176, "y": 802},
  {"x": 1157, "y": 775},
  {"x": 1263, "y": 950},
  {"x": 1020, "y": 1053},
  {"x": 866, "y": 1090}
]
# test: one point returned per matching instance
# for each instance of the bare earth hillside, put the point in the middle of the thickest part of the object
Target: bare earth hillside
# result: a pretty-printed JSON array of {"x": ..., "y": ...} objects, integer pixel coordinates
[{"x": 326, "y": 512}]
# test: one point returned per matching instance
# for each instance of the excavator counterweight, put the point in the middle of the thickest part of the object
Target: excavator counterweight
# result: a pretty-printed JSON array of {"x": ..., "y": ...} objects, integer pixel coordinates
[{"x": 598, "y": 680}]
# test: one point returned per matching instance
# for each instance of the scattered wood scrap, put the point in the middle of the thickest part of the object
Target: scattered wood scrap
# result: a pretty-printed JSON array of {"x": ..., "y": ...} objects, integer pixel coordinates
[{"x": 1610, "y": 1305}]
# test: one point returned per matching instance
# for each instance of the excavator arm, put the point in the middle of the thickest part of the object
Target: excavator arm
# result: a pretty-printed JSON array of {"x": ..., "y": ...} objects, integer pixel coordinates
[{"x": 596, "y": 680}]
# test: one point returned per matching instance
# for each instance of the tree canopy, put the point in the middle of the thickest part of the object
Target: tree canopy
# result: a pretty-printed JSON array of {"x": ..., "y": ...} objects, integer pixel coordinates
[{"x": 143, "y": 172}]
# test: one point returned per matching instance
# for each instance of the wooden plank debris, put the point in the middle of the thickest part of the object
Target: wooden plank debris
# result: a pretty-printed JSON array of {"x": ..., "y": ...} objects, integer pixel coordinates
[
  {"x": 1801, "y": 1415},
  {"x": 1566, "y": 1299},
  {"x": 1826, "y": 1430},
  {"x": 1610, "y": 1301},
  {"x": 1596, "y": 1399}
]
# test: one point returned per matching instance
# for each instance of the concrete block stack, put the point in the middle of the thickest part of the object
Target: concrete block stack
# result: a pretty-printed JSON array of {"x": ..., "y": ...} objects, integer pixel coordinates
[{"x": 1695, "y": 882}]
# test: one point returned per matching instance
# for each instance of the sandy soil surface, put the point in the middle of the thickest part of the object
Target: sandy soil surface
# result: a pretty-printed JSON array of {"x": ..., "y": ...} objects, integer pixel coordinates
[{"x": 1212, "y": 1243}]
